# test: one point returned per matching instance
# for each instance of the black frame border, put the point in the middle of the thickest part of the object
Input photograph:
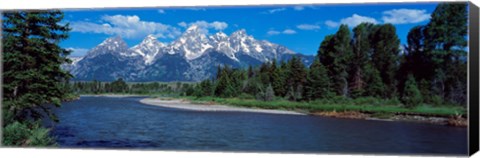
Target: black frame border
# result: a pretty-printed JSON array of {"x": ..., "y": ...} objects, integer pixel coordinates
[{"x": 473, "y": 97}]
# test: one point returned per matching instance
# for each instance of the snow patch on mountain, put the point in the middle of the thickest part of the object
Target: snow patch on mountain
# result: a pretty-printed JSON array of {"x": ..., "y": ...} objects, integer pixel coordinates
[{"x": 191, "y": 57}]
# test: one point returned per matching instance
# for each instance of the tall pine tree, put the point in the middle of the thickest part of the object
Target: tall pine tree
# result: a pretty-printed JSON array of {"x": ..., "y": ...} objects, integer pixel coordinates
[
  {"x": 32, "y": 58},
  {"x": 386, "y": 47},
  {"x": 318, "y": 83},
  {"x": 335, "y": 52},
  {"x": 361, "y": 51}
]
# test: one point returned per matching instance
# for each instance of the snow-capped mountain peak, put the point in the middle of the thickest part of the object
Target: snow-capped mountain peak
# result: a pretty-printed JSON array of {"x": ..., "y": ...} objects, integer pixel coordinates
[
  {"x": 241, "y": 33},
  {"x": 190, "y": 57},
  {"x": 113, "y": 45},
  {"x": 149, "y": 48},
  {"x": 193, "y": 43}
]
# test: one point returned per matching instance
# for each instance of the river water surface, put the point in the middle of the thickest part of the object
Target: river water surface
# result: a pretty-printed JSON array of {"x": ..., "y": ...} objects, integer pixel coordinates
[{"x": 125, "y": 123}]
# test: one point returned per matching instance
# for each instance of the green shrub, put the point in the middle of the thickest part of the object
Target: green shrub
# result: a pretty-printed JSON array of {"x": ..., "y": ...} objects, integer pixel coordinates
[
  {"x": 340, "y": 100},
  {"x": 26, "y": 134},
  {"x": 436, "y": 100},
  {"x": 15, "y": 134},
  {"x": 246, "y": 96},
  {"x": 411, "y": 95},
  {"x": 394, "y": 101},
  {"x": 40, "y": 137},
  {"x": 367, "y": 101}
]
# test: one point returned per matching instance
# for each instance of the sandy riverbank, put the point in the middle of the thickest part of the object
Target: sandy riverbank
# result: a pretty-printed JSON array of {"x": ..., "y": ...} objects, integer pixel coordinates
[
  {"x": 182, "y": 104},
  {"x": 187, "y": 105},
  {"x": 112, "y": 95}
]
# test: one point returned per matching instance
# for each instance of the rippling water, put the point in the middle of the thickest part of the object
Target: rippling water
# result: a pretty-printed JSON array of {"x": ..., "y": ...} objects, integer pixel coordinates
[{"x": 103, "y": 122}]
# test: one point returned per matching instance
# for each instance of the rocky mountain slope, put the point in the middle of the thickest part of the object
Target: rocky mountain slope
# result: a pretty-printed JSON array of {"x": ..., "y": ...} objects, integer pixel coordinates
[{"x": 193, "y": 56}]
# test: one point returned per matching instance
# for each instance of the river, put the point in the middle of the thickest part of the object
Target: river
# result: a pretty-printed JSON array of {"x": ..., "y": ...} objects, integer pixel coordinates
[{"x": 125, "y": 123}]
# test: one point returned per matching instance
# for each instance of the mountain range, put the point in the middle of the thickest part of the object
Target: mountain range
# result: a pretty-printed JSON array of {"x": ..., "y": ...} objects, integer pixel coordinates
[{"x": 193, "y": 56}]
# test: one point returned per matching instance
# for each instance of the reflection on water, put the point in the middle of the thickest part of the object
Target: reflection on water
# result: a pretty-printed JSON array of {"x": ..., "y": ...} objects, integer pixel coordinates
[{"x": 102, "y": 122}]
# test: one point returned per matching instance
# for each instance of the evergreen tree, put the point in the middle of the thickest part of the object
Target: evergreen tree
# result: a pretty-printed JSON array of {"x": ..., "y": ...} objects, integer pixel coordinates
[
  {"x": 318, "y": 83},
  {"x": 361, "y": 50},
  {"x": 415, "y": 60},
  {"x": 120, "y": 86},
  {"x": 278, "y": 81},
  {"x": 224, "y": 85},
  {"x": 269, "y": 94},
  {"x": 32, "y": 58},
  {"x": 411, "y": 95},
  {"x": 32, "y": 75},
  {"x": 385, "y": 56},
  {"x": 250, "y": 71},
  {"x": 205, "y": 88},
  {"x": 296, "y": 72},
  {"x": 335, "y": 53},
  {"x": 264, "y": 73},
  {"x": 445, "y": 40},
  {"x": 375, "y": 88}
]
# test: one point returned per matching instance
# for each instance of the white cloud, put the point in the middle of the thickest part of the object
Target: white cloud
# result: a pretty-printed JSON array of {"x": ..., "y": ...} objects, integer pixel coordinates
[
  {"x": 161, "y": 11},
  {"x": 303, "y": 7},
  {"x": 204, "y": 26},
  {"x": 219, "y": 25},
  {"x": 286, "y": 31},
  {"x": 331, "y": 23},
  {"x": 308, "y": 27},
  {"x": 127, "y": 27},
  {"x": 182, "y": 24},
  {"x": 352, "y": 21},
  {"x": 77, "y": 52},
  {"x": 289, "y": 31},
  {"x": 405, "y": 16},
  {"x": 196, "y": 9},
  {"x": 273, "y": 32},
  {"x": 356, "y": 19},
  {"x": 275, "y": 10},
  {"x": 298, "y": 8}
]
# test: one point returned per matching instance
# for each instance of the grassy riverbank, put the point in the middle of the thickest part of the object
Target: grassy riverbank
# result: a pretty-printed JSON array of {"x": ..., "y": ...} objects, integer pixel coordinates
[
  {"x": 364, "y": 105},
  {"x": 339, "y": 107},
  {"x": 370, "y": 105}
]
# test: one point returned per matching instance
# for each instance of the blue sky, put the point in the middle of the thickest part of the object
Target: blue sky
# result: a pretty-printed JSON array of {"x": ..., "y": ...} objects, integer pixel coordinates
[{"x": 300, "y": 28}]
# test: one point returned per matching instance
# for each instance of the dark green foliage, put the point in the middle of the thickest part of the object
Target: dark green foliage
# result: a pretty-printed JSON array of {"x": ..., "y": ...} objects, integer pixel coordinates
[
  {"x": 318, "y": 83},
  {"x": 205, "y": 88},
  {"x": 26, "y": 134},
  {"x": 411, "y": 95},
  {"x": 31, "y": 58},
  {"x": 119, "y": 86},
  {"x": 32, "y": 76},
  {"x": 252, "y": 86},
  {"x": 225, "y": 86},
  {"x": 335, "y": 53},
  {"x": 436, "y": 53},
  {"x": 296, "y": 73},
  {"x": 375, "y": 88},
  {"x": 385, "y": 56},
  {"x": 361, "y": 54},
  {"x": 447, "y": 27},
  {"x": 269, "y": 94},
  {"x": 190, "y": 90},
  {"x": 266, "y": 95}
]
